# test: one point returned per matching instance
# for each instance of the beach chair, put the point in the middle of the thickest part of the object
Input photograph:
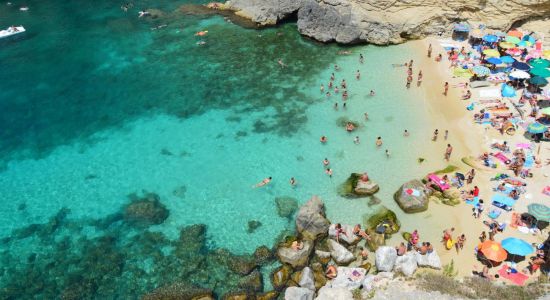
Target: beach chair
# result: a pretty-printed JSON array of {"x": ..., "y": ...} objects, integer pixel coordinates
[{"x": 439, "y": 182}]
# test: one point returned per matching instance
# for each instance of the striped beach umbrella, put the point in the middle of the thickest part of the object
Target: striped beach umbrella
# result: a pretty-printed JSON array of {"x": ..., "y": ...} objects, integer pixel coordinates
[
  {"x": 541, "y": 212},
  {"x": 491, "y": 53},
  {"x": 537, "y": 127},
  {"x": 512, "y": 39},
  {"x": 481, "y": 70},
  {"x": 539, "y": 63},
  {"x": 542, "y": 72}
]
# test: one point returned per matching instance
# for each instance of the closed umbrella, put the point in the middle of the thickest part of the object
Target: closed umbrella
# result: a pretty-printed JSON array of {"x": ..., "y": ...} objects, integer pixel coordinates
[
  {"x": 542, "y": 72},
  {"x": 491, "y": 53},
  {"x": 539, "y": 211},
  {"x": 490, "y": 38},
  {"x": 545, "y": 111},
  {"x": 539, "y": 63},
  {"x": 515, "y": 33},
  {"x": 536, "y": 127},
  {"x": 494, "y": 60},
  {"x": 506, "y": 45},
  {"x": 512, "y": 39},
  {"x": 481, "y": 70},
  {"x": 538, "y": 81},
  {"x": 521, "y": 66},
  {"x": 519, "y": 74},
  {"x": 493, "y": 251},
  {"x": 516, "y": 246},
  {"x": 507, "y": 59}
]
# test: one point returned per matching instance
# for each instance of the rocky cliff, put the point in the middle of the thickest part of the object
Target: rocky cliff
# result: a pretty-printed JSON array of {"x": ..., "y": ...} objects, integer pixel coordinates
[{"x": 390, "y": 21}]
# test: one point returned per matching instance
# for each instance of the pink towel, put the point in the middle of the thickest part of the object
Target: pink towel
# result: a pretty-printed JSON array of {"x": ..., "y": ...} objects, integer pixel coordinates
[
  {"x": 502, "y": 157},
  {"x": 440, "y": 183},
  {"x": 517, "y": 278}
]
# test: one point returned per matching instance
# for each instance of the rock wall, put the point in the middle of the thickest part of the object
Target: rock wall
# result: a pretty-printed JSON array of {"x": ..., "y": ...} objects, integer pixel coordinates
[{"x": 390, "y": 21}]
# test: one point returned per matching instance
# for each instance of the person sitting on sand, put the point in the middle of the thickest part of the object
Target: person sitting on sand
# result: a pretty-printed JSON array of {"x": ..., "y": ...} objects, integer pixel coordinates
[
  {"x": 401, "y": 249},
  {"x": 502, "y": 147},
  {"x": 360, "y": 233},
  {"x": 469, "y": 196},
  {"x": 415, "y": 237},
  {"x": 430, "y": 247},
  {"x": 467, "y": 96},
  {"x": 263, "y": 182},
  {"x": 485, "y": 274},
  {"x": 297, "y": 245},
  {"x": 331, "y": 272},
  {"x": 423, "y": 249}
]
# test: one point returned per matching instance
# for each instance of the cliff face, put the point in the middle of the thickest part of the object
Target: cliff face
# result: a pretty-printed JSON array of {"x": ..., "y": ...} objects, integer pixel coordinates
[{"x": 390, "y": 21}]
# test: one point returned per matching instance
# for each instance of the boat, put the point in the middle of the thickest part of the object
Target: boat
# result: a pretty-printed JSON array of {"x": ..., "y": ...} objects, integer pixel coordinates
[{"x": 12, "y": 30}]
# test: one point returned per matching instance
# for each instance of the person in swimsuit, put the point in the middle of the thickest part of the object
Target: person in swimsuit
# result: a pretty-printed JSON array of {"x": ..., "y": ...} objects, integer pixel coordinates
[
  {"x": 448, "y": 152},
  {"x": 366, "y": 116},
  {"x": 297, "y": 245},
  {"x": 446, "y": 88},
  {"x": 358, "y": 75},
  {"x": 379, "y": 142},
  {"x": 292, "y": 181},
  {"x": 406, "y": 133},
  {"x": 371, "y": 93},
  {"x": 263, "y": 182},
  {"x": 331, "y": 272},
  {"x": 436, "y": 133},
  {"x": 323, "y": 139},
  {"x": 430, "y": 50},
  {"x": 322, "y": 88},
  {"x": 361, "y": 58},
  {"x": 419, "y": 80},
  {"x": 329, "y": 172},
  {"x": 360, "y": 233},
  {"x": 344, "y": 84},
  {"x": 356, "y": 140}
]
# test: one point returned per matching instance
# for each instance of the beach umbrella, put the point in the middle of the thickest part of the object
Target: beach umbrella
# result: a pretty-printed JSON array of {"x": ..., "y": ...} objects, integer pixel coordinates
[
  {"x": 534, "y": 53},
  {"x": 490, "y": 38},
  {"x": 493, "y": 251},
  {"x": 507, "y": 59},
  {"x": 499, "y": 33},
  {"x": 461, "y": 72},
  {"x": 539, "y": 211},
  {"x": 513, "y": 51},
  {"x": 529, "y": 39},
  {"x": 536, "y": 127},
  {"x": 519, "y": 74},
  {"x": 494, "y": 60},
  {"x": 481, "y": 70},
  {"x": 538, "y": 81},
  {"x": 516, "y": 246},
  {"x": 512, "y": 39},
  {"x": 515, "y": 33},
  {"x": 506, "y": 45},
  {"x": 545, "y": 111},
  {"x": 491, "y": 53},
  {"x": 524, "y": 44},
  {"x": 508, "y": 91},
  {"x": 539, "y": 63},
  {"x": 542, "y": 72},
  {"x": 476, "y": 33},
  {"x": 521, "y": 66}
]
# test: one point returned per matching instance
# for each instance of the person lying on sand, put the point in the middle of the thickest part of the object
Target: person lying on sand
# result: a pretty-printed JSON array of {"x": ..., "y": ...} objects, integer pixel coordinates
[{"x": 263, "y": 182}]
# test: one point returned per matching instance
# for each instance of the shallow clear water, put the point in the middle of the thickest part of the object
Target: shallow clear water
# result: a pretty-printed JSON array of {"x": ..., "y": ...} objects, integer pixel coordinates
[{"x": 95, "y": 106}]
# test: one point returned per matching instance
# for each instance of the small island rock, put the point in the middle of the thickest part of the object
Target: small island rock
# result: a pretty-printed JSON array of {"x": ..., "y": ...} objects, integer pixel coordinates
[{"x": 412, "y": 196}]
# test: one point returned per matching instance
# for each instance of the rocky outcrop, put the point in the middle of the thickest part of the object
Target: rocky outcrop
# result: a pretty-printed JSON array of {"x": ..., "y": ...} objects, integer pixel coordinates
[
  {"x": 178, "y": 290},
  {"x": 298, "y": 293},
  {"x": 307, "y": 279},
  {"x": 330, "y": 293},
  {"x": 310, "y": 221},
  {"x": 349, "y": 278},
  {"x": 389, "y": 22},
  {"x": 430, "y": 260},
  {"x": 412, "y": 196},
  {"x": 355, "y": 187},
  {"x": 385, "y": 258},
  {"x": 280, "y": 276},
  {"x": 349, "y": 237},
  {"x": 295, "y": 258},
  {"x": 406, "y": 264},
  {"x": 339, "y": 253}
]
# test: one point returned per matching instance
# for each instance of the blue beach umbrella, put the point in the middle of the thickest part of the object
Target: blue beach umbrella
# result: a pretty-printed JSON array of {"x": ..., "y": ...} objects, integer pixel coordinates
[
  {"x": 521, "y": 66},
  {"x": 536, "y": 127},
  {"x": 524, "y": 44},
  {"x": 490, "y": 38},
  {"x": 539, "y": 211},
  {"x": 481, "y": 70},
  {"x": 529, "y": 39},
  {"x": 494, "y": 60},
  {"x": 516, "y": 246},
  {"x": 507, "y": 59},
  {"x": 508, "y": 91}
]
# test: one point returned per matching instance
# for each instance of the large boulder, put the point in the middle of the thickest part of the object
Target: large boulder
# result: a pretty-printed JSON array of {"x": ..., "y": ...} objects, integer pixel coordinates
[
  {"x": 406, "y": 264},
  {"x": 318, "y": 275},
  {"x": 349, "y": 237},
  {"x": 295, "y": 258},
  {"x": 264, "y": 12},
  {"x": 376, "y": 240},
  {"x": 307, "y": 279},
  {"x": 339, "y": 253},
  {"x": 385, "y": 258},
  {"x": 280, "y": 276},
  {"x": 382, "y": 220},
  {"x": 349, "y": 278},
  {"x": 430, "y": 260},
  {"x": 286, "y": 206},
  {"x": 145, "y": 211},
  {"x": 310, "y": 221},
  {"x": 376, "y": 281},
  {"x": 332, "y": 293},
  {"x": 298, "y": 293},
  {"x": 354, "y": 187},
  {"x": 412, "y": 196}
]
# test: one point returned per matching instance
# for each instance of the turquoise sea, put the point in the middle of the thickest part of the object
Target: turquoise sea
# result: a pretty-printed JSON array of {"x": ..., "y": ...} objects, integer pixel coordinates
[{"x": 97, "y": 109}]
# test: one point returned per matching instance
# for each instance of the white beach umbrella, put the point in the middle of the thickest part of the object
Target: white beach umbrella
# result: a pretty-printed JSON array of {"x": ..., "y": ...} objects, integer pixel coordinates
[{"x": 519, "y": 74}]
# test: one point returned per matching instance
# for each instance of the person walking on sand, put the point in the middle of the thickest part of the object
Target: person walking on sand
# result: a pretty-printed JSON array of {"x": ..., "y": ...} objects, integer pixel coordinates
[
  {"x": 470, "y": 176},
  {"x": 446, "y": 134},
  {"x": 419, "y": 80},
  {"x": 448, "y": 234},
  {"x": 436, "y": 133},
  {"x": 448, "y": 152},
  {"x": 409, "y": 80},
  {"x": 430, "y": 50},
  {"x": 460, "y": 242},
  {"x": 446, "y": 89}
]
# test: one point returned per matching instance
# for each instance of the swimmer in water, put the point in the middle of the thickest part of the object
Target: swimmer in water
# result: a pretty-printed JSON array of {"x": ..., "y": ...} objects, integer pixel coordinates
[
  {"x": 372, "y": 93},
  {"x": 356, "y": 140},
  {"x": 263, "y": 182},
  {"x": 323, "y": 139},
  {"x": 322, "y": 88},
  {"x": 406, "y": 133},
  {"x": 358, "y": 75},
  {"x": 361, "y": 58},
  {"x": 281, "y": 63},
  {"x": 335, "y": 105},
  {"x": 379, "y": 142},
  {"x": 329, "y": 172},
  {"x": 387, "y": 153},
  {"x": 366, "y": 116},
  {"x": 292, "y": 181},
  {"x": 326, "y": 162}
]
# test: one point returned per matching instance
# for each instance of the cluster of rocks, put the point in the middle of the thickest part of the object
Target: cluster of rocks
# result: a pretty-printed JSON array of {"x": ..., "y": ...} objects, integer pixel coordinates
[
  {"x": 355, "y": 186},
  {"x": 413, "y": 196}
]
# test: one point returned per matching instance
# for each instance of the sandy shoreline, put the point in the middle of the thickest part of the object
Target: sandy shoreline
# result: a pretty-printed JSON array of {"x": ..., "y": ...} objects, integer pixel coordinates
[{"x": 467, "y": 138}]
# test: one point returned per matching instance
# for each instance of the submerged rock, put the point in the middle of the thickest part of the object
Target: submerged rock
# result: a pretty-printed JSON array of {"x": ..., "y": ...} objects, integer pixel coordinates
[
  {"x": 295, "y": 258},
  {"x": 286, "y": 206},
  {"x": 412, "y": 196},
  {"x": 253, "y": 225},
  {"x": 271, "y": 295},
  {"x": 263, "y": 255},
  {"x": 252, "y": 282},
  {"x": 385, "y": 258},
  {"x": 354, "y": 187},
  {"x": 298, "y": 293},
  {"x": 310, "y": 221},
  {"x": 178, "y": 290},
  {"x": 280, "y": 276},
  {"x": 146, "y": 211}
]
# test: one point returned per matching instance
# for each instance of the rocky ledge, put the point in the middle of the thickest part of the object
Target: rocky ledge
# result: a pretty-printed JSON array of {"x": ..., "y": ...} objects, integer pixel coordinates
[{"x": 385, "y": 22}]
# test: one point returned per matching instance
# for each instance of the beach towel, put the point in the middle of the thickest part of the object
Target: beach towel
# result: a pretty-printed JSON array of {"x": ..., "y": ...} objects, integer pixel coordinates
[
  {"x": 412, "y": 192},
  {"x": 546, "y": 190},
  {"x": 474, "y": 201},
  {"x": 517, "y": 278},
  {"x": 529, "y": 162},
  {"x": 440, "y": 183},
  {"x": 523, "y": 145},
  {"x": 503, "y": 199},
  {"x": 500, "y": 156},
  {"x": 495, "y": 213},
  {"x": 489, "y": 93},
  {"x": 493, "y": 101}
]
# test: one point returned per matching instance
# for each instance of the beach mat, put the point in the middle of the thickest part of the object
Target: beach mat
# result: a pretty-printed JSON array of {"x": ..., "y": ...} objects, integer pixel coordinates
[
  {"x": 517, "y": 278},
  {"x": 473, "y": 202}
]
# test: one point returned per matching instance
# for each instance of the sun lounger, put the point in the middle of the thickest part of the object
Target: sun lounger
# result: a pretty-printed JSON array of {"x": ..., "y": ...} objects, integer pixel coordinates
[
  {"x": 439, "y": 182},
  {"x": 500, "y": 156}
]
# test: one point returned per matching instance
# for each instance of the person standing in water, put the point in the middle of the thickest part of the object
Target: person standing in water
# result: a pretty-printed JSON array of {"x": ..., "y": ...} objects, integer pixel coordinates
[
  {"x": 406, "y": 133},
  {"x": 356, "y": 140},
  {"x": 448, "y": 152},
  {"x": 292, "y": 181},
  {"x": 419, "y": 80},
  {"x": 361, "y": 58},
  {"x": 322, "y": 88},
  {"x": 358, "y": 75},
  {"x": 379, "y": 141},
  {"x": 329, "y": 172},
  {"x": 366, "y": 116},
  {"x": 387, "y": 153}
]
